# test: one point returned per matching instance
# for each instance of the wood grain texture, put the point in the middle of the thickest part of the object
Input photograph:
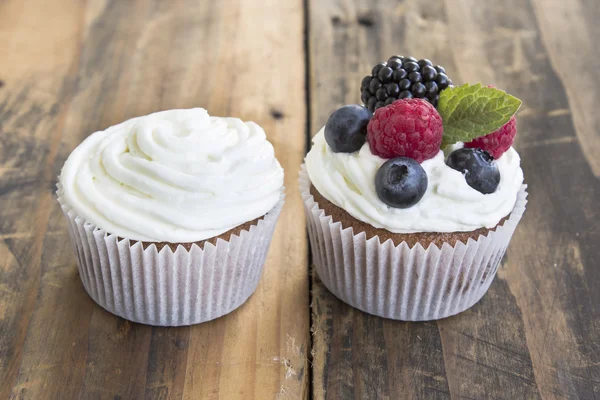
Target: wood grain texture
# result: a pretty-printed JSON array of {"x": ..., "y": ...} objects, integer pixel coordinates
[
  {"x": 560, "y": 24},
  {"x": 536, "y": 333},
  {"x": 70, "y": 68}
]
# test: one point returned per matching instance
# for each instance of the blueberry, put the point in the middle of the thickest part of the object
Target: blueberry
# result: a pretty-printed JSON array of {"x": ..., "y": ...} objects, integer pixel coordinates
[
  {"x": 399, "y": 74},
  {"x": 478, "y": 167},
  {"x": 401, "y": 182},
  {"x": 346, "y": 128}
]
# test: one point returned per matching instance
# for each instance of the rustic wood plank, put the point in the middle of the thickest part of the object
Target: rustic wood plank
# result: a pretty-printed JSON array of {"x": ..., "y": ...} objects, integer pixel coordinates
[
  {"x": 562, "y": 23},
  {"x": 36, "y": 74},
  {"x": 71, "y": 68},
  {"x": 535, "y": 333},
  {"x": 360, "y": 356}
]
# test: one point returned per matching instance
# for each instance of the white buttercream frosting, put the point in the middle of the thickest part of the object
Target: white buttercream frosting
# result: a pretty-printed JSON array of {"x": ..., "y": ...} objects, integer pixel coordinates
[
  {"x": 173, "y": 176},
  {"x": 449, "y": 204}
]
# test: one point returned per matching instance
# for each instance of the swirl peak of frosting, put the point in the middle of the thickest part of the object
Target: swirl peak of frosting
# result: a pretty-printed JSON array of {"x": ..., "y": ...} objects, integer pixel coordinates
[{"x": 173, "y": 176}]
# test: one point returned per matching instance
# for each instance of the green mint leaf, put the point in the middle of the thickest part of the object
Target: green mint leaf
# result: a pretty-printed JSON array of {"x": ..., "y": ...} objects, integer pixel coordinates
[{"x": 471, "y": 111}]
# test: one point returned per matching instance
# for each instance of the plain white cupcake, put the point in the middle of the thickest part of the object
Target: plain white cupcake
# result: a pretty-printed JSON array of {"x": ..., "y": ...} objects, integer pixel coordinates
[{"x": 171, "y": 214}]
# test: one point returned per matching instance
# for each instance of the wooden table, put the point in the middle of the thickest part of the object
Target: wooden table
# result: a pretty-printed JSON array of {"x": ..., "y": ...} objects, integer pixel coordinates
[{"x": 69, "y": 68}]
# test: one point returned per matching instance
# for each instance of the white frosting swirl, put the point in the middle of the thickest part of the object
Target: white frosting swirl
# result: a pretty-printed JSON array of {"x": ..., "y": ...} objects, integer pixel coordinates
[
  {"x": 173, "y": 176},
  {"x": 449, "y": 204}
]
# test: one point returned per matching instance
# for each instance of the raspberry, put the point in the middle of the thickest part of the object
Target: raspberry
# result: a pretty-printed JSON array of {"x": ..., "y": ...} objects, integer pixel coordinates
[
  {"x": 407, "y": 127},
  {"x": 496, "y": 143}
]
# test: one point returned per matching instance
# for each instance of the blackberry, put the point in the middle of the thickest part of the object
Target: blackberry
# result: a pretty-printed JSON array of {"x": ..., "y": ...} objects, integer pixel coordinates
[{"x": 403, "y": 77}]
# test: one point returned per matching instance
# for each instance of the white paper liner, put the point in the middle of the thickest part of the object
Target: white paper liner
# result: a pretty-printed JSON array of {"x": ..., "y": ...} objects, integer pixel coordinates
[
  {"x": 164, "y": 287},
  {"x": 398, "y": 282}
]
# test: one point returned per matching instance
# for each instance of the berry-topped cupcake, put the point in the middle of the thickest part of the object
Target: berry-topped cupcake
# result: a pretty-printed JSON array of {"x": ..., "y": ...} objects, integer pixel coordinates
[
  {"x": 171, "y": 214},
  {"x": 411, "y": 199}
]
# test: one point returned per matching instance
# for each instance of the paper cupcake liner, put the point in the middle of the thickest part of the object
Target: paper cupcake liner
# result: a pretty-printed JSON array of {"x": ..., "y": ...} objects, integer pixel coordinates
[
  {"x": 399, "y": 282},
  {"x": 164, "y": 287}
]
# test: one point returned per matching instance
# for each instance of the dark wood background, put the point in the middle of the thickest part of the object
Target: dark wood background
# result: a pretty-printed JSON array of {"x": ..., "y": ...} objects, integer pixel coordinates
[{"x": 68, "y": 68}]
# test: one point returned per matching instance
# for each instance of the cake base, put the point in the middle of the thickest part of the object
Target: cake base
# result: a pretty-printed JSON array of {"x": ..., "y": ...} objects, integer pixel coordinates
[
  {"x": 213, "y": 240},
  {"x": 424, "y": 238}
]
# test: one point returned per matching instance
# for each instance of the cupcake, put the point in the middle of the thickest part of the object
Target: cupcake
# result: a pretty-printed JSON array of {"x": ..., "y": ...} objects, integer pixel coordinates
[
  {"x": 411, "y": 199},
  {"x": 171, "y": 214}
]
